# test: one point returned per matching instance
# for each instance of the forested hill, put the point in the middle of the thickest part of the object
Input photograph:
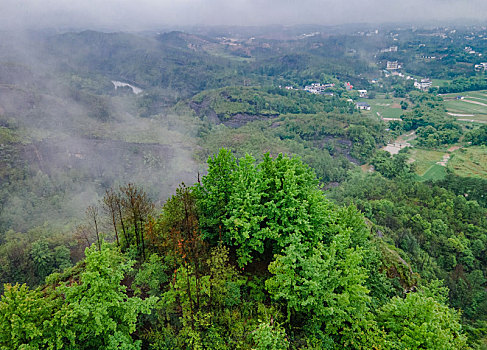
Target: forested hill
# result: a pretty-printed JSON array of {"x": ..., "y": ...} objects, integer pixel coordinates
[
  {"x": 169, "y": 61},
  {"x": 252, "y": 257}
]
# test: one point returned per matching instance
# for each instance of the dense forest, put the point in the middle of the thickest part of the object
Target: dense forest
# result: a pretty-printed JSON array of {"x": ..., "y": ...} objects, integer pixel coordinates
[
  {"x": 253, "y": 256},
  {"x": 188, "y": 191}
]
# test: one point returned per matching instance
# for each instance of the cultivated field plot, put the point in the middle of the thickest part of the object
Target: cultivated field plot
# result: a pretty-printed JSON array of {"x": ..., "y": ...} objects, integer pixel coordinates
[
  {"x": 465, "y": 107},
  {"x": 434, "y": 173},
  {"x": 473, "y": 106},
  {"x": 470, "y": 162},
  {"x": 387, "y": 108},
  {"x": 477, "y": 118},
  {"x": 425, "y": 159},
  {"x": 480, "y": 96}
]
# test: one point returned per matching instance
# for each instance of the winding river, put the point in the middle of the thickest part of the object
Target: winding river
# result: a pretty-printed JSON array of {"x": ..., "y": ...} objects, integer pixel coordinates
[{"x": 118, "y": 84}]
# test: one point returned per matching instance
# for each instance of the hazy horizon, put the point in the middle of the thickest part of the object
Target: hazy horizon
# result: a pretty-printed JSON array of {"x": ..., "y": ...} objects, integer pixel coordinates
[{"x": 150, "y": 15}]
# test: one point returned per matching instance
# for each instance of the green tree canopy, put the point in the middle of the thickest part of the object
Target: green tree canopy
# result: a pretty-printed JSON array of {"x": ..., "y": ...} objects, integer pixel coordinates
[{"x": 422, "y": 320}]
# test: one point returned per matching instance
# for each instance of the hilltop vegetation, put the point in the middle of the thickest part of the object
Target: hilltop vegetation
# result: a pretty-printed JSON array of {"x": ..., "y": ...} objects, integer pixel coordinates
[{"x": 253, "y": 256}]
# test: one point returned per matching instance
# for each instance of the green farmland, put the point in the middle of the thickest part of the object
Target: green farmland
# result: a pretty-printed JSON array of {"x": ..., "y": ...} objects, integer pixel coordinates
[
  {"x": 470, "y": 162},
  {"x": 387, "y": 108},
  {"x": 473, "y": 106},
  {"x": 425, "y": 164}
]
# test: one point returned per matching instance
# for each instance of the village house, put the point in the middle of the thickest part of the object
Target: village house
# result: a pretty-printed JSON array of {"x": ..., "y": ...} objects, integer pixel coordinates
[
  {"x": 389, "y": 49},
  {"x": 362, "y": 93},
  {"x": 392, "y": 65},
  {"x": 363, "y": 106},
  {"x": 481, "y": 66},
  {"x": 424, "y": 84}
]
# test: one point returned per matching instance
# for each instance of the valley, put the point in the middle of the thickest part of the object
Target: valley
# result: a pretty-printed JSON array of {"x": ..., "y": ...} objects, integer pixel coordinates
[{"x": 222, "y": 186}]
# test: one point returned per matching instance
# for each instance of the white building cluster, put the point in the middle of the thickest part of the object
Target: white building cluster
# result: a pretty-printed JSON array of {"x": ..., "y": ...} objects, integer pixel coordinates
[
  {"x": 423, "y": 84},
  {"x": 481, "y": 66},
  {"x": 317, "y": 88}
]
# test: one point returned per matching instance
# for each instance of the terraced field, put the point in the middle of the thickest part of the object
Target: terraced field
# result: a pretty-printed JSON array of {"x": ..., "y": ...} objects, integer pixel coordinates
[{"x": 472, "y": 108}]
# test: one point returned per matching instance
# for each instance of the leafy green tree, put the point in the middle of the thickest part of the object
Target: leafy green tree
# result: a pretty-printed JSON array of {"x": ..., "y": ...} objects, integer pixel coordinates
[
  {"x": 151, "y": 276},
  {"x": 270, "y": 337},
  {"x": 391, "y": 166},
  {"x": 214, "y": 195},
  {"x": 96, "y": 312},
  {"x": 364, "y": 143},
  {"x": 24, "y": 318},
  {"x": 92, "y": 312},
  {"x": 325, "y": 285},
  {"x": 262, "y": 205},
  {"x": 399, "y": 91},
  {"x": 43, "y": 258},
  {"x": 422, "y": 320},
  {"x": 464, "y": 84},
  {"x": 62, "y": 257},
  {"x": 477, "y": 136}
]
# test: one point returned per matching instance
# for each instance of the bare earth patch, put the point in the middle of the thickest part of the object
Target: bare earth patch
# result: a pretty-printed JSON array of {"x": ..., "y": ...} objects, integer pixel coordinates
[
  {"x": 453, "y": 148},
  {"x": 445, "y": 160},
  {"x": 394, "y": 148},
  {"x": 460, "y": 115}
]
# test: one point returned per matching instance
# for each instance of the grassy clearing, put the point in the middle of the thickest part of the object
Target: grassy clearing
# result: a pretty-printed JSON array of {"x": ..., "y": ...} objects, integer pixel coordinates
[
  {"x": 434, "y": 173},
  {"x": 217, "y": 50},
  {"x": 439, "y": 82},
  {"x": 470, "y": 162},
  {"x": 425, "y": 159}
]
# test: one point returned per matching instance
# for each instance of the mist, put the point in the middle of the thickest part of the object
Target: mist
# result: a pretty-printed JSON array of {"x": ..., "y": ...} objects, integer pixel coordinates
[
  {"x": 80, "y": 136},
  {"x": 151, "y": 14}
]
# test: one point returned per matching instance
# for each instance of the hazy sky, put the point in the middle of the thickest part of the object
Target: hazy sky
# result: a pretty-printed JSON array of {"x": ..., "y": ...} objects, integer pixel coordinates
[{"x": 149, "y": 14}]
